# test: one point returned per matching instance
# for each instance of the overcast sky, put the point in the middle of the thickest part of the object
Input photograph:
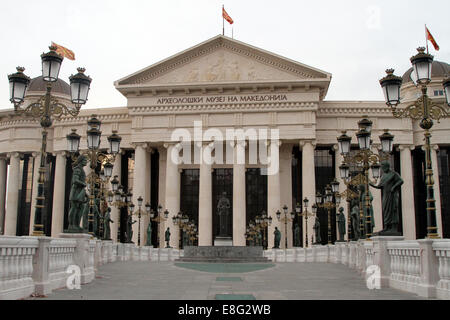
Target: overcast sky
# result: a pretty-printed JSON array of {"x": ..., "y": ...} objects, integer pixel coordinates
[{"x": 353, "y": 40}]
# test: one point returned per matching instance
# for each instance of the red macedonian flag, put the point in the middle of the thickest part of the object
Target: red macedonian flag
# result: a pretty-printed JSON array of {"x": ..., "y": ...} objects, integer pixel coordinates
[
  {"x": 431, "y": 39},
  {"x": 226, "y": 16},
  {"x": 64, "y": 51}
]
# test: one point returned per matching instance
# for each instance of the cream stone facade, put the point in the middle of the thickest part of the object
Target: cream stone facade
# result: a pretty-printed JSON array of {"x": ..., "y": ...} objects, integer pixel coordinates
[{"x": 222, "y": 84}]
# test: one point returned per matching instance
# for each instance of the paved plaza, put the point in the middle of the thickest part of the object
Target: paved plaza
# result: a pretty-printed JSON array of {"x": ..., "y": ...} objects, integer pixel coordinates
[{"x": 181, "y": 281}]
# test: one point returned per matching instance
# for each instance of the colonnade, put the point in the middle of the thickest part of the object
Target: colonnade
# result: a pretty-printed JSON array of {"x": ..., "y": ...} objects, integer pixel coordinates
[{"x": 169, "y": 192}]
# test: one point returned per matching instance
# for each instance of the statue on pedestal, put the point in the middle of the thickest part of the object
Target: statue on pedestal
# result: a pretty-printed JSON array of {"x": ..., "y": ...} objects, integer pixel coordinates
[
  {"x": 259, "y": 239},
  {"x": 167, "y": 237},
  {"x": 223, "y": 210},
  {"x": 317, "y": 231},
  {"x": 96, "y": 214},
  {"x": 341, "y": 224},
  {"x": 277, "y": 236},
  {"x": 106, "y": 227},
  {"x": 354, "y": 216},
  {"x": 367, "y": 211},
  {"x": 77, "y": 196},
  {"x": 390, "y": 185},
  {"x": 130, "y": 223},
  {"x": 149, "y": 234},
  {"x": 297, "y": 236}
]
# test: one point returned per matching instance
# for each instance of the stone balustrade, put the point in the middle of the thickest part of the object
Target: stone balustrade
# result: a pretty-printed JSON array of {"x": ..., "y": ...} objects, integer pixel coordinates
[
  {"x": 442, "y": 251},
  {"x": 16, "y": 266},
  {"x": 39, "y": 265},
  {"x": 61, "y": 255},
  {"x": 405, "y": 257}
]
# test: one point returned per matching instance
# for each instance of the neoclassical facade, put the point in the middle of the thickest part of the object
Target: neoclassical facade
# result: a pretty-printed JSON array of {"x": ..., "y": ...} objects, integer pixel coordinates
[{"x": 183, "y": 106}]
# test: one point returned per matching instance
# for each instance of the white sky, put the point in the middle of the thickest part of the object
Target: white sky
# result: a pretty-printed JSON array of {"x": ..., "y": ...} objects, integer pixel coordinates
[{"x": 354, "y": 40}]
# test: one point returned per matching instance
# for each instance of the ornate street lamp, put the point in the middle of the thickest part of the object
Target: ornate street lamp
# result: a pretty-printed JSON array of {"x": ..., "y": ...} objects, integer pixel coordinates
[
  {"x": 425, "y": 110},
  {"x": 139, "y": 213},
  {"x": 446, "y": 84},
  {"x": 285, "y": 219},
  {"x": 161, "y": 217},
  {"x": 326, "y": 202},
  {"x": 96, "y": 156},
  {"x": 365, "y": 159},
  {"x": 46, "y": 109}
]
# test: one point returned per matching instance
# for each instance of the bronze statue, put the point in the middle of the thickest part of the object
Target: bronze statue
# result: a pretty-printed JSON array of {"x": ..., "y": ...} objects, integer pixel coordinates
[
  {"x": 223, "y": 210},
  {"x": 106, "y": 222},
  {"x": 297, "y": 236},
  {"x": 149, "y": 234},
  {"x": 167, "y": 237},
  {"x": 341, "y": 224},
  {"x": 354, "y": 215},
  {"x": 77, "y": 195},
  {"x": 130, "y": 223},
  {"x": 366, "y": 210},
  {"x": 277, "y": 235},
  {"x": 317, "y": 231},
  {"x": 390, "y": 185}
]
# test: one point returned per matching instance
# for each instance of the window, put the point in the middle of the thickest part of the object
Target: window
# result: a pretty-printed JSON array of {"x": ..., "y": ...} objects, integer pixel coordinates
[
  {"x": 325, "y": 174},
  {"x": 444, "y": 186}
]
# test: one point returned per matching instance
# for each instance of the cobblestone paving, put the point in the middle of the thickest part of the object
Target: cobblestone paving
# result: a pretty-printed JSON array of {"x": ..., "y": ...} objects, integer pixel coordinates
[{"x": 283, "y": 281}]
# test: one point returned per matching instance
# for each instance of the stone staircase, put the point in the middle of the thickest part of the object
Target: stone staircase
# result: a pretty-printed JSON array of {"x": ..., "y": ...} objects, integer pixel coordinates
[{"x": 224, "y": 255}]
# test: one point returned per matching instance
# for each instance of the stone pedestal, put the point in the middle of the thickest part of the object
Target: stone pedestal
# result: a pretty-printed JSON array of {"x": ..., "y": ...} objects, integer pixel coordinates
[
  {"x": 280, "y": 255},
  {"x": 164, "y": 254},
  {"x": 381, "y": 257},
  {"x": 429, "y": 277},
  {"x": 81, "y": 257},
  {"x": 300, "y": 254},
  {"x": 290, "y": 255},
  {"x": 42, "y": 285},
  {"x": 154, "y": 254}
]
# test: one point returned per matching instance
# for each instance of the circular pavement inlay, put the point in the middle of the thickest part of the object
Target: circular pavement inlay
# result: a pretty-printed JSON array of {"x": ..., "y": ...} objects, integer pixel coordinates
[{"x": 226, "y": 267}]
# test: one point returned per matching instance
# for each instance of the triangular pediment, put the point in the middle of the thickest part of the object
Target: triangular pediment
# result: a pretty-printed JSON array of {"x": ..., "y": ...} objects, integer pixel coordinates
[{"x": 222, "y": 60}]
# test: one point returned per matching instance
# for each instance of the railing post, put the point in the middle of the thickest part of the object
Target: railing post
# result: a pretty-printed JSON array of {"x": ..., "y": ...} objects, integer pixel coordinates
[
  {"x": 381, "y": 257},
  {"x": 429, "y": 275}
]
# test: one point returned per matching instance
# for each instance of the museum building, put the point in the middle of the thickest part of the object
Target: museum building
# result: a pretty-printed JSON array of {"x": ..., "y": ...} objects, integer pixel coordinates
[{"x": 181, "y": 105}]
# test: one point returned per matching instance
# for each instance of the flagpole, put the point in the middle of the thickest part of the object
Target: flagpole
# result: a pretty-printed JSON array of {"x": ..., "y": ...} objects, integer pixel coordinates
[
  {"x": 223, "y": 22},
  {"x": 426, "y": 37}
]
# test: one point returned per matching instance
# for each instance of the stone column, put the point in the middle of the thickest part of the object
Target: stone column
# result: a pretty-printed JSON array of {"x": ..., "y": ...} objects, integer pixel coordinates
[
  {"x": 139, "y": 181},
  {"x": 286, "y": 189},
  {"x": 239, "y": 204},
  {"x": 162, "y": 191},
  {"x": 274, "y": 197},
  {"x": 2, "y": 192},
  {"x": 437, "y": 189},
  {"x": 308, "y": 183},
  {"x": 59, "y": 194},
  {"x": 205, "y": 234},
  {"x": 172, "y": 193},
  {"x": 34, "y": 192},
  {"x": 115, "y": 212},
  {"x": 13, "y": 195},
  {"x": 407, "y": 189},
  {"x": 338, "y": 160},
  {"x": 376, "y": 203}
]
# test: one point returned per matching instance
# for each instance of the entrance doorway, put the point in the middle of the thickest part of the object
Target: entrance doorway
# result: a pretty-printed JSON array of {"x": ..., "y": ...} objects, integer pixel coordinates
[{"x": 222, "y": 203}]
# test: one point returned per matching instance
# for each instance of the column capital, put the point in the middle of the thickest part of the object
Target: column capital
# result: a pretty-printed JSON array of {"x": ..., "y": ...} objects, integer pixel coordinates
[
  {"x": 403, "y": 147},
  {"x": 302, "y": 143},
  {"x": 139, "y": 144},
  {"x": 277, "y": 143},
  {"x": 62, "y": 153},
  {"x": 434, "y": 147},
  {"x": 166, "y": 145},
  {"x": 13, "y": 155}
]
